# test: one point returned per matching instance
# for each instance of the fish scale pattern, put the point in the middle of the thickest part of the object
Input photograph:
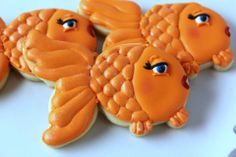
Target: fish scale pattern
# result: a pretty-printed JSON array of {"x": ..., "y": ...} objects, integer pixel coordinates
[
  {"x": 159, "y": 26},
  {"x": 13, "y": 36},
  {"x": 111, "y": 79}
]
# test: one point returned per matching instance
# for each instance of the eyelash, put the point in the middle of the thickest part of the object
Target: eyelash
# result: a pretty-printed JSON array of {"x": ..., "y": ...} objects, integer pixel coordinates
[
  {"x": 192, "y": 17},
  {"x": 61, "y": 22},
  {"x": 148, "y": 65}
]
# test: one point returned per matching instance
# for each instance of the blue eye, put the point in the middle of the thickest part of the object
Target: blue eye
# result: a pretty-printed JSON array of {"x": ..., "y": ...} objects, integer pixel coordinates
[
  {"x": 199, "y": 19},
  {"x": 203, "y": 18},
  {"x": 70, "y": 24},
  {"x": 160, "y": 68}
]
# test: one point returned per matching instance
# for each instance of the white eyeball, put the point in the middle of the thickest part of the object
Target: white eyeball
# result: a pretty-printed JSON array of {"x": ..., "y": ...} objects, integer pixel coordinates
[
  {"x": 70, "y": 24},
  {"x": 160, "y": 68},
  {"x": 203, "y": 18}
]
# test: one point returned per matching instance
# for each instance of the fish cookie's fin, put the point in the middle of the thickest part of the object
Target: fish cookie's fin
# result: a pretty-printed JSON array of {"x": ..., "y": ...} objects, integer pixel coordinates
[
  {"x": 223, "y": 60},
  {"x": 72, "y": 110},
  {"x": 51, "y": 60},
  {"x": 111, "y": 15},
  {"x": 179, "y": 119},
  {"x": 4, "y": 63},
  {"x": 125, "y": 36}
]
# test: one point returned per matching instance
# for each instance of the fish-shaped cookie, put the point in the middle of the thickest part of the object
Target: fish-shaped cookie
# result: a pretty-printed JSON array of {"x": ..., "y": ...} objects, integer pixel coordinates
[
  {"x": 135, "y": 85},
  {"x": 61, "y": 25},
  {"x": 198, "y": 36}
]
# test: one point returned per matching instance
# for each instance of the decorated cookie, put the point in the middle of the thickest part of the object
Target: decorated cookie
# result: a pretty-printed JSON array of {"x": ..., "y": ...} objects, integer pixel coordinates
[
  {"x": 197, "y": 36},
  {"x": 45, "y": 31},
  {"x": 136, "y": 86},
  {"x": 49, "y": 45}
]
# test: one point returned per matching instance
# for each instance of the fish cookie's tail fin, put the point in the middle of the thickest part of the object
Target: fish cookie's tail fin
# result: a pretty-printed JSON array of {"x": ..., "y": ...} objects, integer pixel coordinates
[
  {"x": 4, "y": 63},
  {"x": 72, "y": 110},
  {"x": 111, "y": 15}
]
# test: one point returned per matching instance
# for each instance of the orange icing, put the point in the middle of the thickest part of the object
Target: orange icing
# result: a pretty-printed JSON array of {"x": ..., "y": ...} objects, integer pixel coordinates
[
  {"x": 54, "y": 59},
  {"x": 114, "y": 82},
  {"x": 153, "y": 92},
  {"x": 110, "y": 14},
  {"x": 203, "y": 41},
  {"x": 3, "y": 59},
  {"x": 72, "y": 110},
  {"x": 128, "y": 91},
  {"x": 167, "y": 27},
  {"x": 122, "y": 79},
  {"x": 44, "y": 21},
  {"x": 111, "y": 79},
  {"x": 15, "y": 33},
  {"x": 3, "y": 66}
]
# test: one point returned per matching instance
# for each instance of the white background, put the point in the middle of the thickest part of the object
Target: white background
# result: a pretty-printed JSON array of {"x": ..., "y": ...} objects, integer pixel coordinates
[{"x": 212, "y": 108}]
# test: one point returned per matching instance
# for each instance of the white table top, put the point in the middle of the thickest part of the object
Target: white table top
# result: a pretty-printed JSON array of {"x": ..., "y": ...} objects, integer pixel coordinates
[{"x": 212, "y": 108}]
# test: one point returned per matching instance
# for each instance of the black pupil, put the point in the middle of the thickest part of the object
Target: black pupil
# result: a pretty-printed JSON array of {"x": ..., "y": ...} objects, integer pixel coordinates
[
  {"x": 161, "y": 68},
  {"x": 203, "y": 17},
  {"x": 71, "y": 23}
]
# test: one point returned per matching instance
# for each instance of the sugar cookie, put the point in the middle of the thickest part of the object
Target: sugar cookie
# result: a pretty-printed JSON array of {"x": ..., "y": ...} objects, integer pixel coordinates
[
  {"x": 131, "y": 82},
  {"x": 53, "y": 24}
]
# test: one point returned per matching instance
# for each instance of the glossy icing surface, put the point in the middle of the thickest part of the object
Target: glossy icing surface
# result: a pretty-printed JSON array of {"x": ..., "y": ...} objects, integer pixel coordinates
[
  {"x": 72, "y": 110},
  {"x": 54, "y": 59},
  {"x": 109, "y": 13},
  {"x": 161, "y": 95},
  {"x": 46, "y": 22},
  {"x": 184, "y": 30},
  {"x": 127, "y": 90},
  {"x": 205, "y": 39}
]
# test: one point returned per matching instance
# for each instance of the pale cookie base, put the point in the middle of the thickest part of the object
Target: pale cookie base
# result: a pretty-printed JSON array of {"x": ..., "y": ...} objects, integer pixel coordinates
[
  {"x": 4, "y": 80},
  {"x": 122, "y": 123},
  {"x": 31, "y": 64},
  {"x": 100, "y": 29},
  {"x": 218, "y": 68},
  {"x": 114, "y": 119},
  {"x": 209, "y": 65},
  {"x": 51, "y": 84},
  {"x": 206, "y": 65},
  {"x": 90, "y": 126},
  {"x": 29, "y": 77}
]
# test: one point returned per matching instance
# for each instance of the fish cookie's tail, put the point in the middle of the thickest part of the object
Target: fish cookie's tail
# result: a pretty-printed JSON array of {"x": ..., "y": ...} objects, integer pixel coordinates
[
  {"x": 72, "y": 110},
  {"x": 4, "y": 63},
  {"x": 111, "y": 15}
]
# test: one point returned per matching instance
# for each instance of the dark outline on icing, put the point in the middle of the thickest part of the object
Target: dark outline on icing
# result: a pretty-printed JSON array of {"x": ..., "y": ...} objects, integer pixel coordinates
[
  {"x": 192, "y": 17},
  {"x": 148, "y": 65},
  {"x": 61, "y": 22}
]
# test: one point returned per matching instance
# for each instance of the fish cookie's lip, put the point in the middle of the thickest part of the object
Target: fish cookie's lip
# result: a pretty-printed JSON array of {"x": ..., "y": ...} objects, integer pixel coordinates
[
  {"x": 227, "y": 32},
  {"x": 90, "y": 30},
  {"x": 185, "y": 82}
]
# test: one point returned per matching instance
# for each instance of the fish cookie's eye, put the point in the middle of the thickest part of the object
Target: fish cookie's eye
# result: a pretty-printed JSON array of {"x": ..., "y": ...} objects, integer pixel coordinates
[
  {"x": 203, "y": 18},
  {"x": 159, "y": 68},
  {"x": 68, "y": 24},
  {"x": 200, "y": 19}
]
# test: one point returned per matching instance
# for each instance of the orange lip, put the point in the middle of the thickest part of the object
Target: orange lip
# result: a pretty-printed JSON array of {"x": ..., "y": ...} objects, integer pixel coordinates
[
  {"x": 227, "y": 32},
  {"x": 185, "y": 82}
]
